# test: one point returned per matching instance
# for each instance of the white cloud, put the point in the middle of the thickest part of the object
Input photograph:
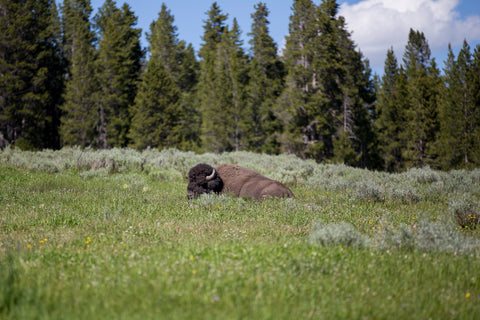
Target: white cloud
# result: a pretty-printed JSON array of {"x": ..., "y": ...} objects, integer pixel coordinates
[{"x": 378, "y": 25}]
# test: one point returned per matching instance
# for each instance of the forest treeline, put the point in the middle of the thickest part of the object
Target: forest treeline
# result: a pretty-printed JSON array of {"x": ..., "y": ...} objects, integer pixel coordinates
[{"x": 70, "y": 79}]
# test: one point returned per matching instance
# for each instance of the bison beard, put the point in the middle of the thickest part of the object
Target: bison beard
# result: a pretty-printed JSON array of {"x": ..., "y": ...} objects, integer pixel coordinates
[{"x": 227, "y": 178}]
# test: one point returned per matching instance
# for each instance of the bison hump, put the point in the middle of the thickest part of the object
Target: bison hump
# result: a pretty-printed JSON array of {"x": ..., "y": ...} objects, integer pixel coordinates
[{"x": 244, "y": 182}]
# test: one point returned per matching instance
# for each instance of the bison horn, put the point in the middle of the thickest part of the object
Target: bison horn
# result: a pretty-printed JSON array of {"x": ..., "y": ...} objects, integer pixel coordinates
[{"x": 210, "y": 177}]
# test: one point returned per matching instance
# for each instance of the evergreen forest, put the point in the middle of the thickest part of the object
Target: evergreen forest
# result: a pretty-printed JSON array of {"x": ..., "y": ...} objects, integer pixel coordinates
[{"x": 71, "y": 78}]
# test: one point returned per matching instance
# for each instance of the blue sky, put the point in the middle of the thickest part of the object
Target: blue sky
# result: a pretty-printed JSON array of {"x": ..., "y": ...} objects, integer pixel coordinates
[{"x": 376, "y": 25}]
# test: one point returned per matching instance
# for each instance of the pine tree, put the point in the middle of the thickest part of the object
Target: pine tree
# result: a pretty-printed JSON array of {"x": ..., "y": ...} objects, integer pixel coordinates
[
  {"x": 265, "y": 85},
  {"x": 155, "y": 123},
  {"x": 390, "y": 121},
  {"x": 422, "y": 122},
  {"x": 180, "y": 63},
  {"x": 239, "y": 69},
  {"x": 159, "y": 117},
  {"x": 214, "y": 29},
  {"x": 164, "y": 43},
  {"x": 118, "y": 70},
  {"x": 458, "y": 141},
  {"x": 358, "y": 101},
  {"x": 230, "y": 115},
  {"x": 188, "y": 84},
  {"x": 222, "y": 84},
  {"x": 330, "y": 78},
  {"x": 79, "y": 119},
  {"x": 363, "y": 137},
  {"x": 475, "y": 115},
  {"x": 305, "y": 121},
  {"x": 329, "y": 96},
  {"x": 31, "y": 67},
  {"x": 175, "y": 55},
  {"x": 436, "y": 87}
]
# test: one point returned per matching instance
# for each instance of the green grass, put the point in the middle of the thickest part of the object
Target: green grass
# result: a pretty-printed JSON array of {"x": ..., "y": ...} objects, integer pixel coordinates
[{"x": 81, "y": 240}]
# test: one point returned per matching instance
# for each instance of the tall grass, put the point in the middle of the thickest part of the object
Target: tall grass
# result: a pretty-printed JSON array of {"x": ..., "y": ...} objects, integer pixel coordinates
[{"x": 111, "y": 234}]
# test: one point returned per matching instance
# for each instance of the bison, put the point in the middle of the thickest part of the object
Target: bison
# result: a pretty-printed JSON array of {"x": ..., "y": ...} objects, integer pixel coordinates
[{"x": 228, "y": 178}]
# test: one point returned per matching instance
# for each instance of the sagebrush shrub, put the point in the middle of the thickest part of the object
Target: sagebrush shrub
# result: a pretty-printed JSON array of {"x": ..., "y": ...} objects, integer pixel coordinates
[
  {"x": 426, "y": 236},
  {"x": 368, "y": 191},
  {"x": 408, "y": 187},
  {"x": 423, "y": 175},
  {"x": 336, "y": 234},
  {"x": 443, "y": 237},
  {"x": 398, "y": 238},
  {"x": 465, "y": 211},
  {"x": 403, "y": 193}
]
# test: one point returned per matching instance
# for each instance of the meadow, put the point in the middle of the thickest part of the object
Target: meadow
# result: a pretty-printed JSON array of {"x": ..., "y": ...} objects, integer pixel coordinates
[{"x": 88, "y": 234}]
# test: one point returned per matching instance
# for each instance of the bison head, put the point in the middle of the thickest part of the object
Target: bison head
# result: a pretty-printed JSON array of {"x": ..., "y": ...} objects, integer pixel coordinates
[{"x": 203, "y": 179}]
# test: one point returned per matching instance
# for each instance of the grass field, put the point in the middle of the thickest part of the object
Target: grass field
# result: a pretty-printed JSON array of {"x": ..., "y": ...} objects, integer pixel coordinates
[{"x": 110, "y": 235}]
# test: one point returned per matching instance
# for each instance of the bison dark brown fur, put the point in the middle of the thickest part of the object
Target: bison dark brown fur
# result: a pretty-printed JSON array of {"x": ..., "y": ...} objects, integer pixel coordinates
[
  {"x": 228, "y": 178},
  {"x": 201, "y": 180}
]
